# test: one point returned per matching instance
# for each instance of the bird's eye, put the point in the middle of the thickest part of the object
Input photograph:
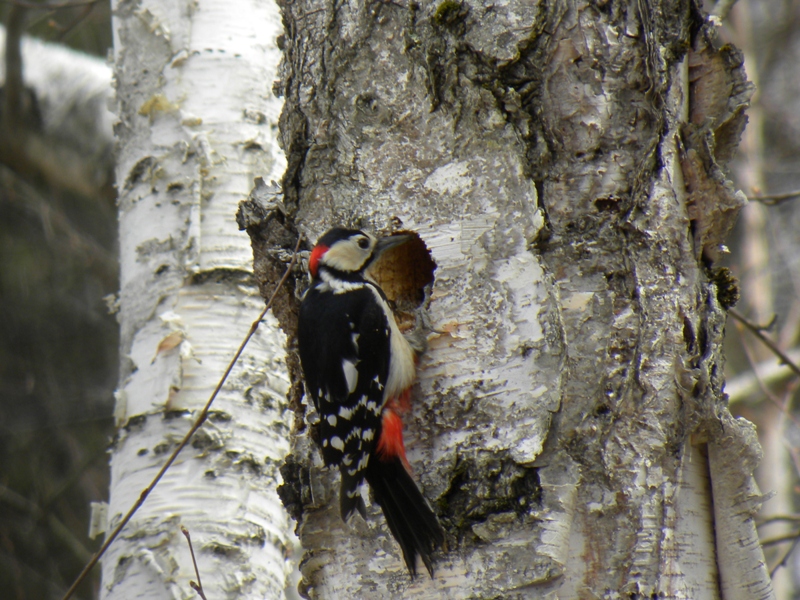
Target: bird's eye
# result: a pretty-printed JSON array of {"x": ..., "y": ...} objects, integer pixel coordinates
[{"x": 363, "y": 243}]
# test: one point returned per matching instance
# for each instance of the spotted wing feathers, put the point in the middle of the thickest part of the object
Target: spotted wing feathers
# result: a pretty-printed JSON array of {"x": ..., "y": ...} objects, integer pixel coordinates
[{"x": 346, "y": 367}]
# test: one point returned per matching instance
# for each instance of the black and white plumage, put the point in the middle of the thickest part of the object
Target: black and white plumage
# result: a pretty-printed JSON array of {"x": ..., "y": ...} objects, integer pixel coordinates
[{"x": 359, "y": 370}]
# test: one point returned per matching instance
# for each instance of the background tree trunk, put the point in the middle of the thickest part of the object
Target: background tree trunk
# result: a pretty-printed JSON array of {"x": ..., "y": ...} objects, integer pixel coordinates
[
  {"x": 58, "y": 342},
  {"x": 562, "y": 162},
  {"x": 766, "y": 262},
  {"x": 196, "y": 125},
  {"x": 64, "y": 138}
]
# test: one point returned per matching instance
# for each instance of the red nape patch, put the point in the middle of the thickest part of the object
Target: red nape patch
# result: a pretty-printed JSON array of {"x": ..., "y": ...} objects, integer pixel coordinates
[
  {"x": 316, "y": 254},
  {"x": 390, "y": 443}
]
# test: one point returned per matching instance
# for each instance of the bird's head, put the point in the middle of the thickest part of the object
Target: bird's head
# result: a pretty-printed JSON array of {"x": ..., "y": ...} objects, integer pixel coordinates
[{"x": 349, "y": 251}]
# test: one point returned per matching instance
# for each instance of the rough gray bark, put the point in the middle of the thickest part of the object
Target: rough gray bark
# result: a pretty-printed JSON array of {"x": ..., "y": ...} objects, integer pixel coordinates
[{"x": 562, "y": 162}]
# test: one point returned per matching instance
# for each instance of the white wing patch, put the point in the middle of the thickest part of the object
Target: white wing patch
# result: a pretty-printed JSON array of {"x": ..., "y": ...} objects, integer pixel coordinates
[
  {"x": 337, "y": 443},
  {"x": 350, "y": 374},
  {"x": 362, "y": 464}
]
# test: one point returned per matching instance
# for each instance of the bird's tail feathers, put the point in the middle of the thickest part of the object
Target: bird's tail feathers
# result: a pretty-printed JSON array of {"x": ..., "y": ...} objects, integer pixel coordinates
[
  {"x": 350, "y": 499},
  {"x": 409, "y": 516}
]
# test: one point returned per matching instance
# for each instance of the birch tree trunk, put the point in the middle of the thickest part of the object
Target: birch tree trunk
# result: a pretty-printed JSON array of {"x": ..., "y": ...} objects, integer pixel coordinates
[
  {"x": 196, "y": 124},
  {"x": 562, "y": 162}
]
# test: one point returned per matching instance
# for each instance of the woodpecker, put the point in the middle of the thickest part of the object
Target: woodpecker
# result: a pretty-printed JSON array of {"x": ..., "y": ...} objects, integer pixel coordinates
[{"x": 359, "y": 370}]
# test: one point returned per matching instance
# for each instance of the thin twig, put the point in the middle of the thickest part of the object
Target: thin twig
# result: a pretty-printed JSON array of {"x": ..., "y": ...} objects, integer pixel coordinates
[
  {"x": 782, "y": 562},
  {"x": 778, "y": 518},
  {"x": 757, "y": 331},
  {"x": 61, "y": 531},
  {"x": 775, "y": 199},
  {"x": 197, "y": 424},
  {"x": 743, "y": 386},
  {"x": 781, "y": 405},
  {"x": 55, "y": 221},
  {"x": 779, "y": 539},
  {"x": 197, "y": 587},
  {"x": 64, "y": 31}
]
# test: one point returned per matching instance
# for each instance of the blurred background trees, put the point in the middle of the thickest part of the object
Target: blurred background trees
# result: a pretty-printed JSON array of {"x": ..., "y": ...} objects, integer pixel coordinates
[
  {"x": 58, "y": 340},
  {"x": 58, "y": 277},
  {"x": 765, "y": 257}
]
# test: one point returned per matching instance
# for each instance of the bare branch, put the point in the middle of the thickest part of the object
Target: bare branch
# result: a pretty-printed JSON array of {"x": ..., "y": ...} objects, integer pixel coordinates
[
  {"x": 744, "y": 385},
  {"x": 197, "y": 587},
  {"x": 781, "y": 405},
  {"x": 63, "y": 31},
  {"x": 758, "y": 332},
  {"x": 58, "y": 227},
  {"x": 778, "y": 518},
  {"x": 775, "y": 199},
  {"x": 782, "y": 561},
  {"x": 19, "y": 502},
  {"x": 779, "y": 539}
]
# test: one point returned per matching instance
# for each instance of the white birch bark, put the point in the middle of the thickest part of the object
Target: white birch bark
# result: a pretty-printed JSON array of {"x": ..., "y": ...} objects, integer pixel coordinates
[
  {"x": 196, "y": 125},
  {"x": 562, "y": 162}
]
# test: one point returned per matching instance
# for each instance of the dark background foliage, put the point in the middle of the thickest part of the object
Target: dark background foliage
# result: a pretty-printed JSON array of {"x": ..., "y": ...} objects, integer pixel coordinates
[{"x": 58, "y": 356}]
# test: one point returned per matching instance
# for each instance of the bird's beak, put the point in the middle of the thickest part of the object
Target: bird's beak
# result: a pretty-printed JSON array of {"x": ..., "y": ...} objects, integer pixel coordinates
[{"x": 391, "y": 241}]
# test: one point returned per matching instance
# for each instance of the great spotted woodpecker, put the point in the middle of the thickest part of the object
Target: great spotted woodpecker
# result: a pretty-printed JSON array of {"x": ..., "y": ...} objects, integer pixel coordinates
[{"x": 359, "y": 370}]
